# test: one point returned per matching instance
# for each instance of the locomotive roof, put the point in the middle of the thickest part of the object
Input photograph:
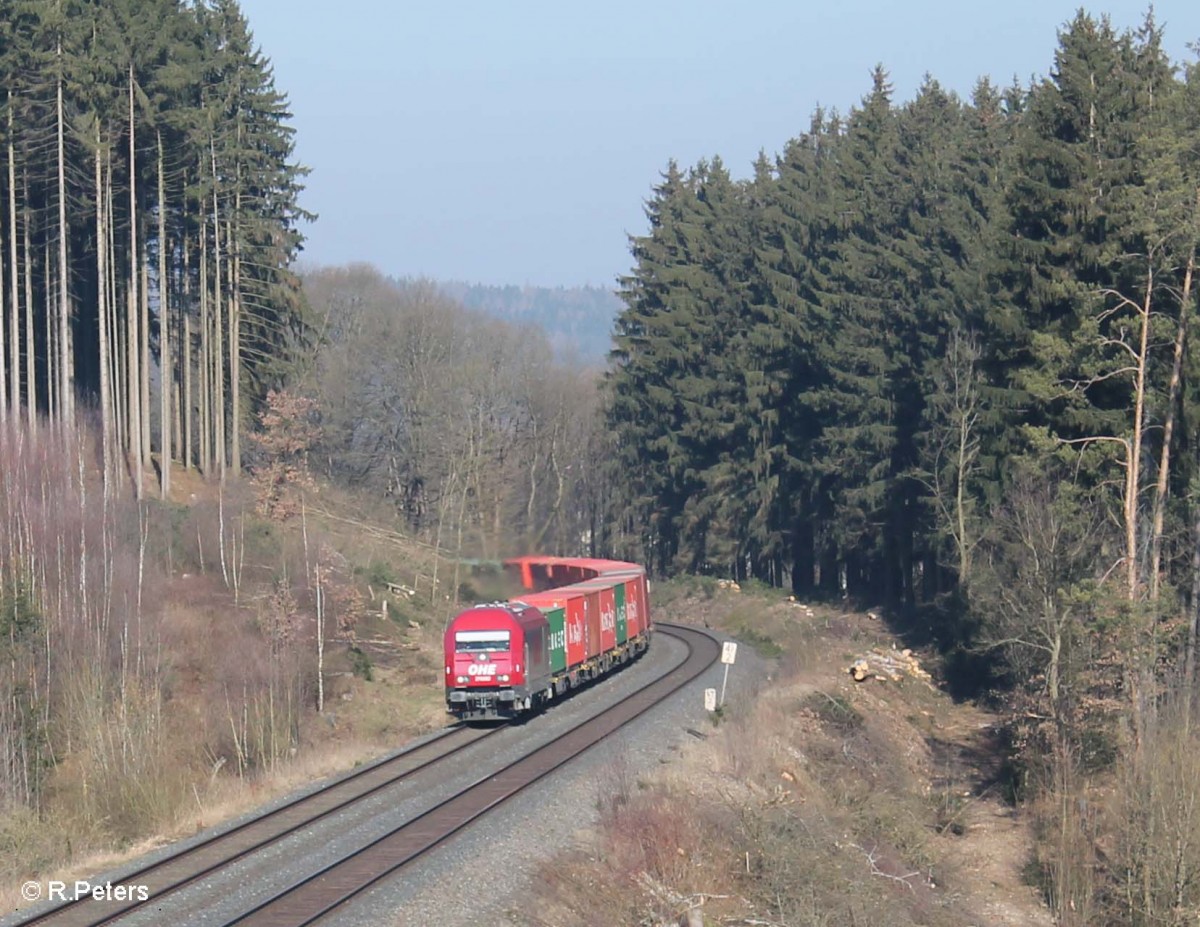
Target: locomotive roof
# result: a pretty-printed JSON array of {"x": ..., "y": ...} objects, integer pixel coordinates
[{"x": 497, "y": 615}]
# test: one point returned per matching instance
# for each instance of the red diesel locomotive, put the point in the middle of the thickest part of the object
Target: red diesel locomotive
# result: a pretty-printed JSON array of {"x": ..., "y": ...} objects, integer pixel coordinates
[{"x": 580, "y": 619}]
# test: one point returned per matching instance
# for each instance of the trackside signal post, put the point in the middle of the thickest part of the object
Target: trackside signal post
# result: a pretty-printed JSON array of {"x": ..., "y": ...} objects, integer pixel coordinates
[{"x": 728, "y": 655}]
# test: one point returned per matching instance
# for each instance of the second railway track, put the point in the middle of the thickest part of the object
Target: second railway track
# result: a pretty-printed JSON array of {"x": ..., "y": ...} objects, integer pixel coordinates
[
  {"x": 310, "y": 900},
  {"x": 315, "y": 896},
  {"x": 184, "y": 867}
]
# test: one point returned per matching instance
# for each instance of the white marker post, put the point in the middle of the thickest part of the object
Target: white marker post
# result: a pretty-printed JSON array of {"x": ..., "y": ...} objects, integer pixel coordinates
[
  {"x": 710, "y": 699},
  {"x": 728, "y": 655}
]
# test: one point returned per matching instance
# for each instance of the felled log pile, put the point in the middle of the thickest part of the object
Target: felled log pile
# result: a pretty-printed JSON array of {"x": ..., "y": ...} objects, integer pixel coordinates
[
  {"x": 807, "y": 609},
  {"x": 894, "y": 666}
]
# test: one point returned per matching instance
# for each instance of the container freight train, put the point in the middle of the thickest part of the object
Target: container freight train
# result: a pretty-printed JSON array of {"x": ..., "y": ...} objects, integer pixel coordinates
[{"x": 579, "y": 620}]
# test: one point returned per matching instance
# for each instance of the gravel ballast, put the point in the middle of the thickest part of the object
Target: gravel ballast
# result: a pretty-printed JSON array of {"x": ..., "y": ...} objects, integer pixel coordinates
[{"x": 483, "y": 875}]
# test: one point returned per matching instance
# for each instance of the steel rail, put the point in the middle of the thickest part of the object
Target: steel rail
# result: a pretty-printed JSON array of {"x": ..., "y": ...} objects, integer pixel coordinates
[
  {"x": 315, "y": 896},
  {"x": 239, "y": 841},
  {"x": 236, "y": 842}
]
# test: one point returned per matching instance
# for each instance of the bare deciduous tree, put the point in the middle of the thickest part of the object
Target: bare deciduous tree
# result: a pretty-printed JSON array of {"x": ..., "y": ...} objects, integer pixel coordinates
[
  {"x": 954, "y": 444},
  {"x": 1035, "y": 576}
]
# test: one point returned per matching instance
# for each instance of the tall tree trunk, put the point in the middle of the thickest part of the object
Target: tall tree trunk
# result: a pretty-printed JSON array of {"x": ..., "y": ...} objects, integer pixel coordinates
[
  {"x": 235, "y": 313},
  {"x": 53, "y": 381},
  {"x": 218, "y": 368},
  {"x": 30, "y": 357},
  {"x": 960, "y": 504},
  {"x": 1164, "y": 465},
  {"x": 1141, "y": 681},
  {"x": 14, "y": 267},
  {"x": 132, "y": 377},
  {"x": 176, "y": 403},
  {"x": 187, "y": 391},
  {"x": 203, "y": 368},
  {"x": 320, "y": 640},
  {"x": 144, "y": 352},
  {"x": 186, "y": 410},
  {"x": 1133, "y": 476},
  {"x": 102, "y": 317},
  {"x": 235, "y": 358},
  {"x": 65, "y": 346},
  {"x": 118, "y": 395},
  {"x": 133, "y": 349}
]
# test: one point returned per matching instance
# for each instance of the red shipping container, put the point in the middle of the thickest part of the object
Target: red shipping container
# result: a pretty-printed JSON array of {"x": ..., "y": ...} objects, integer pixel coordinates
[
  {"x": 601, "y": 611},
  {"x": 543, "y": 600},
  {"x": 585, "y": 590},
  {"x": 591, "y": 614},
  {"x": 576, "y": 631},
  {"x": 608, "y": 619},
  {"x": 635, "y": 606}
]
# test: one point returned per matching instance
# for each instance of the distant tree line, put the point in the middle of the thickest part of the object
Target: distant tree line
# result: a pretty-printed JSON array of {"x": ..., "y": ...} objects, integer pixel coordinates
[
  {"x": 577, "y": 320},
  {"x": 482, "y": 443},
  {"x": 148, "y": 216}
]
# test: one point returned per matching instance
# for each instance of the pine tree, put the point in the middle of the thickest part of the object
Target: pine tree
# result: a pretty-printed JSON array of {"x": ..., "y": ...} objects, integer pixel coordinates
[
  {"x": 868, "y": 323},
  {"x": 112, "y": 105},
  {"x": 643, "y": 409},
  {"x": 710, "y": 299},
  {"x": 257, "y": 189},
  {"x": 789, "y": 336}
]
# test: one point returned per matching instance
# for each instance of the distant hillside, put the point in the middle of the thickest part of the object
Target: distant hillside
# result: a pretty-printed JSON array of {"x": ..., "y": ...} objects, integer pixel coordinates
[{"x": 578, "y": 319}]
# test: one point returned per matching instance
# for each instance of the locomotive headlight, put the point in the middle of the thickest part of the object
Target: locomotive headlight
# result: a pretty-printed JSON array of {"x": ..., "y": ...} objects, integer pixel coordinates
[
  {"x": 461, "y": 679},
  {"x": 503, "y": 677}
]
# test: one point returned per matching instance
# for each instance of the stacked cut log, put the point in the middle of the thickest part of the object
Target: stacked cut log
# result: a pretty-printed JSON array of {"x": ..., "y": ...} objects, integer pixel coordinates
[{"x": 892, "y": 666}]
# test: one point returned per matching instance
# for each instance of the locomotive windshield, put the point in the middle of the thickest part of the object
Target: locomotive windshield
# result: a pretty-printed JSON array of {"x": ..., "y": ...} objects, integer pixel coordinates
[{"x": 476, "y": 641}]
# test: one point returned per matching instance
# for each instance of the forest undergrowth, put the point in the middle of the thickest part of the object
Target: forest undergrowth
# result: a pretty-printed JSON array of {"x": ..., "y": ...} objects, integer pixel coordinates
[
  {"x": 821, "y": 800},
  {"x": 160, "y": 667}
]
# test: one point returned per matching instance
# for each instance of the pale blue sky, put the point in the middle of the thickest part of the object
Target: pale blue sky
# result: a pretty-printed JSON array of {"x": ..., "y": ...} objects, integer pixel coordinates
[{"x": 514, "y": 141}]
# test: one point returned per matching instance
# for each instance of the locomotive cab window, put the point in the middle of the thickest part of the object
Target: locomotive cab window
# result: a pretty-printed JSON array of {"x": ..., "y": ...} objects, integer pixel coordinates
[{"x": 477, "y": 641}]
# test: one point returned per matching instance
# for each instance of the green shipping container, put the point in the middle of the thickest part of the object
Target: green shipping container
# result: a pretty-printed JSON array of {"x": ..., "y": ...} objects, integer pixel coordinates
[
  {"x": 558, "y": 639},
  {"x": 622, "y": 627}
]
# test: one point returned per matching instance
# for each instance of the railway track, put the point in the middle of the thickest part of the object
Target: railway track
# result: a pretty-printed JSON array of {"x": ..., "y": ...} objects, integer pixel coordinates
[
  {"x": 314, "y": 897},
  {"x": 180, "y": 869}
]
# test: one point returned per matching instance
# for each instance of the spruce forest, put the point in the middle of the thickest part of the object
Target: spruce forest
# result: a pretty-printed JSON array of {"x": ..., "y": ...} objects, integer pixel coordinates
[
  {"x": 847, "y": 374},
  {"x": 149, "y": 220},
  {"x": 941, "y": 356}
]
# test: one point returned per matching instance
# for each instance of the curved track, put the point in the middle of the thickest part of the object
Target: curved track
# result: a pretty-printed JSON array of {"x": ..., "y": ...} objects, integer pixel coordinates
[
  {"x": 191, "y": 863},
  {"x": 316, "y": 896},
  {"x": 313, "y": 898}
]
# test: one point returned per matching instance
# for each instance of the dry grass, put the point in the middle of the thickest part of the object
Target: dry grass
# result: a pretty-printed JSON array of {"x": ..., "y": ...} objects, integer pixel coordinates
[
  {"x": 189, "y": 795},
  {"x": 177, "y": 646},
  {"x": 817, "y": 803},
  {"x": 59, "y": 849}
]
